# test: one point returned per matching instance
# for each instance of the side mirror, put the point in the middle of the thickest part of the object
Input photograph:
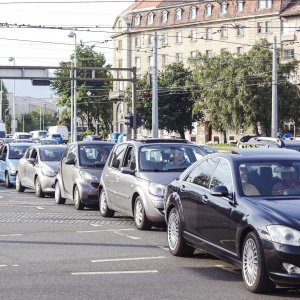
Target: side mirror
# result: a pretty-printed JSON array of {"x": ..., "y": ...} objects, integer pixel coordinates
[
  {"x": 219, "y": 191},
  {"x": 70, "y": 161},
  {"x": 127, "y": 170},
  {"x": 31, "y": 160}
]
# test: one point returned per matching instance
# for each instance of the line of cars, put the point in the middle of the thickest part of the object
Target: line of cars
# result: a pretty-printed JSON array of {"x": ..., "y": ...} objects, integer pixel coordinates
[{"x": 200, "y": 197}]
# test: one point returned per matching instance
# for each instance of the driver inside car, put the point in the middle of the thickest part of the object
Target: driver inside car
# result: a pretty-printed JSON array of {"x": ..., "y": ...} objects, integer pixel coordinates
[{"x": 288, "y": 183}]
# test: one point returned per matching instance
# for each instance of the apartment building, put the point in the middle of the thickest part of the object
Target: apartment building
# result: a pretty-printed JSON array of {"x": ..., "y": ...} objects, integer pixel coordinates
[{"x": 185, "y": 27}]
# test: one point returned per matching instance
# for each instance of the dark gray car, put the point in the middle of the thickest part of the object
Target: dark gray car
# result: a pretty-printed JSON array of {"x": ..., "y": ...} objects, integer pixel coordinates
[
  {"x": 80, "y": 171},
  {"x": 38, "y": 167},
  {"x": 135, "y": 177}
]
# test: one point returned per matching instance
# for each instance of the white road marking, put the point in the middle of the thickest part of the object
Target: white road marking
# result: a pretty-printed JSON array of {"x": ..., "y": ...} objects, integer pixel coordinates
[
  {"x": 9, "y": 266},
  {"x": 126, "y": 259},
  {"x": 116, "y": 272},
  {"x": 39, "y": 207},
  {"x": 1, "y": 196},
  {"x": 95, "y": 225},
  {"x": 103, "y": 230},
  {"x": 128, "y": 236},
  {"x": 228, "y": 268},
  {"x": 11, "y": 234},
  {"x": 163, "y": 247}
]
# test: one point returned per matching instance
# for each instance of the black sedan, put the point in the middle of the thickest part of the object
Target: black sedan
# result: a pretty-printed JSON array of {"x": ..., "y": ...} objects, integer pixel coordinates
[{"x": 243, "y": 208}]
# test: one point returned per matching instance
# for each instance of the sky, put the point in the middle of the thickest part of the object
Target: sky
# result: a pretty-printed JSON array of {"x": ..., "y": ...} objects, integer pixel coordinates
[{"x": 48, "y": 47}]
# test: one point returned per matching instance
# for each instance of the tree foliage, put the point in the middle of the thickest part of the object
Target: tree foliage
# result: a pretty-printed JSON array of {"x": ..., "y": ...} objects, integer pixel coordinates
[{"x": 92, "y": 97}]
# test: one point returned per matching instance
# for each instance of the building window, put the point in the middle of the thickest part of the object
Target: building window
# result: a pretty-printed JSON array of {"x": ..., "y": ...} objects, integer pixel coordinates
[
  {"x": 264, "y": 27},
  {"x": 137, "y": 20},
  {"x": 164, "y": 39},
  {"x": 178, "y": 37},
  {"x": 164, "y": 60},
  {"x": 150, "y": 61},
  {"x": 150, "y": 18},
  {"x": 259, "y": 27},
  {"x": 208, "y": 10},
  {"x": 193, "y": 54},
  {"x": 120, "y": 24},
  {"x": 288, "y": 53},
  {"x": 120, "y": 45},
  {"x": 268, "y": 26},
  {"x": 178, "y": 14},
  {"x": 240, "y": 5},
  {"x": 164, "y": 16},
  {"x": 224, "y": 32},
  {"x": 239, "y": 30},
  {"x": 239, "y": 50},
  {"x": 208, "y": 34},
  {"x": 264, "y": 4},
  {"x": 193, "y": 35},
  {"x": 150, "y": 40},
  {"x": 208, "y": 53},
  {"x": 120, "y": 63},
  {"x": 178, "y": 57},
  {"x": 224, "y": 8},
  {"x": 137, "y": 42},
  {"x": 137, "y": 61},
  {"x": 193, "y": 13}
]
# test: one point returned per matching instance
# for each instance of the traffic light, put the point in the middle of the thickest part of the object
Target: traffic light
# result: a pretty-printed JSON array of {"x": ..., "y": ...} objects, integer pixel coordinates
[
  {"x": 139, "y": 120},
  {"x": 129, "y": 121}
]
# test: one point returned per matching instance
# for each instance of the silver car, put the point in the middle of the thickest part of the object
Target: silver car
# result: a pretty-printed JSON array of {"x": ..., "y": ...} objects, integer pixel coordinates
[
  {"x": 10, "y": 156},
  {"x": 134, "y": 179},
  {"x": 80, "y": 171},
  {"x": 38, "y": 167}
]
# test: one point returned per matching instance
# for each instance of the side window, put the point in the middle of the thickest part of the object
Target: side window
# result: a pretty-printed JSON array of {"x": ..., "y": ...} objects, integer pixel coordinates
[
  {"x": 222, "y": 175},
  {"x": 71, "y": 152},
  {"x": 201, "y": 174},
  {"x": 130, "y": 159},
  {"x": 117, "y": 156},
  {"x": 27, "y": 153},
  {"x": 33, "y": 153}
]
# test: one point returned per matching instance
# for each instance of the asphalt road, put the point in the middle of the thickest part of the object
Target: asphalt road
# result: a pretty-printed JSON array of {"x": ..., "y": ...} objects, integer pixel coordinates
[{"x": 50, "y": 251}]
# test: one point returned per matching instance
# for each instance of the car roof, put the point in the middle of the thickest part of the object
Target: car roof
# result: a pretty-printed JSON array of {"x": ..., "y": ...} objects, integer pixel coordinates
[
  {"x": 152, "y": 141},
  {"x": 20, "y": 144},
  {"x": 264, "y": 151},
  {"x": 39, "y": 146},
  {"x": 94, "y": 143}
]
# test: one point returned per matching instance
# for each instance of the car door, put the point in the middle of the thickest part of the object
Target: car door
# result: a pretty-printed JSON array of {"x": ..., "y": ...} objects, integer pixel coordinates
[
  {"x": 111, "y": 175},
  {"x": 22, "y": 167},
  {"x": 192, "y": 191},
  {"x": 30, "y": 167},
  {"x": 215, "y": 224},
  {"x": 67, "y": 170}
]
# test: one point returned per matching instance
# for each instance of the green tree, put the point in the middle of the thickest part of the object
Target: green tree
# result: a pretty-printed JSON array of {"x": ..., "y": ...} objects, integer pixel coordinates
[
  {"x": 175, "y": 101},
  {"x": 92, "y": 98}
]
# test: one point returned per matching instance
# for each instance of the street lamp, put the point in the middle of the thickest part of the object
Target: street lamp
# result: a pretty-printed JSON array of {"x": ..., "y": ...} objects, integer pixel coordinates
[
  {"x": 23, "y": 114},
  {"x": 72, "y": 34},
  {"x": 13, "y": 125}
]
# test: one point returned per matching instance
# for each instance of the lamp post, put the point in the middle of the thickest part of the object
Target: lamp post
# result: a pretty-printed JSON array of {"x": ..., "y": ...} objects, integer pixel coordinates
[
  {"x": 13, "y": 125},
  {"x": 72, "y": 34},
  {"x": 23, "y": 114}
]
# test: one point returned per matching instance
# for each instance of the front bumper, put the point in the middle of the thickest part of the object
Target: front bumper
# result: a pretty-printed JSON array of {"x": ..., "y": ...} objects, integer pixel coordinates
[
  {"x": 88, "y": 192},
  {"x": 155, "y": 209},
  {"x": 48, "y": 184}
]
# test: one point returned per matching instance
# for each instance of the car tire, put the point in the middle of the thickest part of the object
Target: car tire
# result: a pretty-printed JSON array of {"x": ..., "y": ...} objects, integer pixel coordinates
[
  {"x": 77, "y": 201},
  {"x": 105, "y": 211},
  {"x": 38, "y": 188},
  {"x": 253, "y": 265},
  {"x": 57, "y": 195},
  {"x": 19, "y": 187},
  {"x": 140, "y": 219},
  {"x": 7, "y": 181},
  {"x": 176, "y": 242}
]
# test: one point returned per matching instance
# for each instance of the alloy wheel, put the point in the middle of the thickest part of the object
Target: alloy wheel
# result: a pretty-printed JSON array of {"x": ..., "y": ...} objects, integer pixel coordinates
[
  {"x": 250, "y": 262},
  {"x": 173, "y": 230}
]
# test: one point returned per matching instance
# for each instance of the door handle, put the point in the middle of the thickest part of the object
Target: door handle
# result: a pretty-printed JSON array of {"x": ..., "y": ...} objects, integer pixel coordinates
[
  {"x": 182, "y": 188},
  {"x": 204, "y": 199}
]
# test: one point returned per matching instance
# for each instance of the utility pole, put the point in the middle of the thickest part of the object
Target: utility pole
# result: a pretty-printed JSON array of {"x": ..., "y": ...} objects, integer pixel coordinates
[
  {"x": 154, "y": 89},
  {"x": 274, "y": 124},
  {"x": 134, "y": 113},
  {"x": 72, "y": 98}
]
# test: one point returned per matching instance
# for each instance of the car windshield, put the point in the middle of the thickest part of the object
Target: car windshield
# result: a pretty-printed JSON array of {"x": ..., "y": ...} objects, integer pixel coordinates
[
  {"x": 51, "y": 154},
  {"x": 94, "y": 155},
  {"x": 208, "y": 149},
  {"x": 24, "y": 136},
  {"x": 270, "y": 178},
  {"x": 168, "y": 157},
  {"x": 16, "y": 152}
]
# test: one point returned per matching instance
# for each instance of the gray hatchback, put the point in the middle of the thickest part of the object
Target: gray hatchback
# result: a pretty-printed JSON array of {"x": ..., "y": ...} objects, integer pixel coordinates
[
  {"x": 134, "y": 179},
  {"x": 79, "y": 173}
]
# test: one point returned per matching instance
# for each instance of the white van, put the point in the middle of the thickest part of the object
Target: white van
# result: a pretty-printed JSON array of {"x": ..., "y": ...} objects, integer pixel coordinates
[
  {"x": 38, "y": 134},
  {"x": 62, "y": 130}
]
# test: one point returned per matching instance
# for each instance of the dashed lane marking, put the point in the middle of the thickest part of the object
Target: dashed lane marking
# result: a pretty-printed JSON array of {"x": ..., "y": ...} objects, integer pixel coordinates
[
  {"x": 126, "y": 259},
  {"x": 11, "y": 234},
  {"x": 104, "y": 230},
  {"x": 116, "y": 272}
]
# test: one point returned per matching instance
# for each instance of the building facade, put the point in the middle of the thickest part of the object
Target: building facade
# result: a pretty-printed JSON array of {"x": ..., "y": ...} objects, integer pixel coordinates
[{"x": 185, "y": 27}]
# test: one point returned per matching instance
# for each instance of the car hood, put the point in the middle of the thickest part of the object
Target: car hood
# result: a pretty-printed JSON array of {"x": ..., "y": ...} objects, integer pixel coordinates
[
  {"x": 93, "y": 171},
  {"x": 12, "y": 163},
  {"x": 160, "y": 177},
  {"x": 284, "y": 210},
  {"x": 54, "y": 165}
]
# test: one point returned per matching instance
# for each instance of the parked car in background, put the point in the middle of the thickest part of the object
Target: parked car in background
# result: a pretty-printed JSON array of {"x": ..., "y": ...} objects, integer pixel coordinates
[
  {"x": 38, "y": 133},
  {"x": 79, "y": 173},
  {"x": 240, "y": 208},
  {"x": 92, "y": 138},
  {"x": 135, "y": 177},
  {"x": 38, "y": 167},
  {"x": 54, "y": 136},
  {"x": 60, "y": 129},
  {"x": 10, "y": 156},
  {"x": 47, "y": 142},
  {"x": 21, "y": 135}
]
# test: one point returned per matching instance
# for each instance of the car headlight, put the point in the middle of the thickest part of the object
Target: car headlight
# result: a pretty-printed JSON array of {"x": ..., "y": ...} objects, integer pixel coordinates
[
  {"x": 87, "y": 175},
  {"x": 284, "y": 235},
  {"x": 48, "y": 172},
  {"x": 156, "y": 189}
]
